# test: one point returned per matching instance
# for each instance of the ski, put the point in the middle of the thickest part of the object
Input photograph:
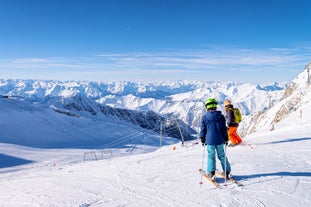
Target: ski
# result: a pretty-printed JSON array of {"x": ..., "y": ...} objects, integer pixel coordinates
[
  {"x": 213, "y": 182},
  {"x": 231, "y": 180}
]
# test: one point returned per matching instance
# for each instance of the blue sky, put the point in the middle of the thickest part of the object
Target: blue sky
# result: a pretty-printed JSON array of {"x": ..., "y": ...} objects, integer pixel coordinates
[{"x": 254, "y": 41}]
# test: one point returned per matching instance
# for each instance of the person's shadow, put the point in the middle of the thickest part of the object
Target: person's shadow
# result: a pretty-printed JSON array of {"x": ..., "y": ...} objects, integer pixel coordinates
[
  {"x": 289, "y": 140},
  {"x": 278, "y": 174}
]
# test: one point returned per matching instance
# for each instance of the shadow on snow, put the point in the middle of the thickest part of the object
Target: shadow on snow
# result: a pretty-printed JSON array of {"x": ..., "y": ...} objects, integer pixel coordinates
[
  {"x": 285, "y": 174},
  {"x": 290, "y": 140},
  {"x": 10, "y": 161}
]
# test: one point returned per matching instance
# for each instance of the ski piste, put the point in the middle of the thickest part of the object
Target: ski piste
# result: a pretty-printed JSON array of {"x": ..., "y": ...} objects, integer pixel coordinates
[
  {"x": 213, "y": 182},
  {"x": 231, "y": 180}
]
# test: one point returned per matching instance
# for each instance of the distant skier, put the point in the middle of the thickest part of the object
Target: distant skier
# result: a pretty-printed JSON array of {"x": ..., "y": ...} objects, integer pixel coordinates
[
  {"x": 214, "y": 135},
  {"x": 232, "y": 123}
]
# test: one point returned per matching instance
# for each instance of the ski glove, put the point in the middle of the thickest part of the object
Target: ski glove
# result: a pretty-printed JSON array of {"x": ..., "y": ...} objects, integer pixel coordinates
[{"x": 202, "y": 140}]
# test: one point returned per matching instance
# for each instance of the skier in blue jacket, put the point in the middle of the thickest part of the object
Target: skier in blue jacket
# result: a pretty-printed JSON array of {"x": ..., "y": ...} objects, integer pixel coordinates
[{"x": 214, "y": 135}]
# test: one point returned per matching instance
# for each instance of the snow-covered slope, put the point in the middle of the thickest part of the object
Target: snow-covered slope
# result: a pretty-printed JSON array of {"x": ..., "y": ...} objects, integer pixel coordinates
[
  {"x": 74, "y": 157},
  {"x": 294, "y": 100},
  {"x": 36, "y": 125},
  {"x": 276, "y": 172}
]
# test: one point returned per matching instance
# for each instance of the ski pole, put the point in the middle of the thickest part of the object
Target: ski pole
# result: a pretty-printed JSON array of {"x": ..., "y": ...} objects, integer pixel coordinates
[
  {"x": 225, "y": 164},
  {"x": 201, "y": 182},
  {"x": 246, "y": 143}
]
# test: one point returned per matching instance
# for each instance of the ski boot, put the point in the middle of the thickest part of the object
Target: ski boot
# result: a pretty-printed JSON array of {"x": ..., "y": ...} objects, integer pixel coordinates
[
  {"x": 212, "y": 175},
  {"x": 228, "y": 175}
]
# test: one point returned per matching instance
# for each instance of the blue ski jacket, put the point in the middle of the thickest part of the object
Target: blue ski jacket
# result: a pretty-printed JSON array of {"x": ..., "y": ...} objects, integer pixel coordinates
[{"x": 213, "y": 128}]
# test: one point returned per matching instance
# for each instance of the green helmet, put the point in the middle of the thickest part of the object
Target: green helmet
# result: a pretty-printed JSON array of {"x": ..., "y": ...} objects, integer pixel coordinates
[{"x": 210, "y": 103}]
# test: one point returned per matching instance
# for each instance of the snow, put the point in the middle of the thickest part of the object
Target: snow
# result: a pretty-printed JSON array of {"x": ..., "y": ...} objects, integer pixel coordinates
[
  {"x": 44, "y": 163},
  {"x": 277, "y": 172}
]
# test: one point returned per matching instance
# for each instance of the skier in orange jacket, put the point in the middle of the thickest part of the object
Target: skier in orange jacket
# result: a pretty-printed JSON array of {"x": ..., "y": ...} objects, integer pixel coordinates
[{"x": 235, "y": 139}]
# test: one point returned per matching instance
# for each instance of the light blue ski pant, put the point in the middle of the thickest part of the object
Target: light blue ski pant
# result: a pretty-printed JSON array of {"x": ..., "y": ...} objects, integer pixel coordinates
[{"x": 211, "y": 158}]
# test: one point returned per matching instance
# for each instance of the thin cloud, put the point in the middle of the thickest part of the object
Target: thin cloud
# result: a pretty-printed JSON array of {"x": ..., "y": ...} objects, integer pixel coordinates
[
  {"x": 184, "y": 64},
  {"x": 184, "y": 59},
  {"x": 31, "y": 60},
  {"x": 218, "y": 57}
]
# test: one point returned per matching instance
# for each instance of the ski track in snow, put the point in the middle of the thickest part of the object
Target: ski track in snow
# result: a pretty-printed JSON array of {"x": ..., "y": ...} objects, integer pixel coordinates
[{"x": 272, "y": 175}]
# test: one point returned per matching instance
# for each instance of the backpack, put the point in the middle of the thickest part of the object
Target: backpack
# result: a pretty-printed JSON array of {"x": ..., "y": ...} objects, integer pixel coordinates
[{"x": 237, "y": 115}]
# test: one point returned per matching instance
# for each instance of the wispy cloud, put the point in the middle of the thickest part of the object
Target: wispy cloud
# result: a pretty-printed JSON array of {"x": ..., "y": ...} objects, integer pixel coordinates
[
  {"x": 188, "y": 64},
  {"x": 32, "y": 60},
  {"x": 212, "y": 57}
]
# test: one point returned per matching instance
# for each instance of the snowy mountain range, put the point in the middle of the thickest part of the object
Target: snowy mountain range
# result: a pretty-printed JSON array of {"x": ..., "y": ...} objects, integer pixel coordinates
[
  {"x": 172, "y": 108},
  {"x": 147, "y": 105},
  {"x": 50, "y": 129}
]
